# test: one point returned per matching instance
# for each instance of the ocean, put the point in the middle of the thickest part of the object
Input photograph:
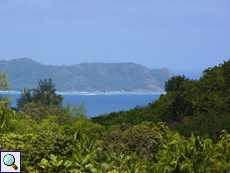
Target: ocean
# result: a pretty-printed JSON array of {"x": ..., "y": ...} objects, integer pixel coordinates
[{"x": 102, "y": 103}]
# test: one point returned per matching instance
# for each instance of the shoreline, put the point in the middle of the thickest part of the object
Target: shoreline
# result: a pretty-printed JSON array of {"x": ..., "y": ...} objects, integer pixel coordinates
[{"x": 90, "y": 93}]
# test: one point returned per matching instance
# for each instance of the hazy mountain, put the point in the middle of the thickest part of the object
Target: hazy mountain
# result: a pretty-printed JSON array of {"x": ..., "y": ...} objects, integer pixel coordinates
[{"x": 88, "y": 77}]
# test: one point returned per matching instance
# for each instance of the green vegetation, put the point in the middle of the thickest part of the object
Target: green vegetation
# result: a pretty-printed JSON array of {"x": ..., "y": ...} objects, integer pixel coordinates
[
  {"x": 86, "y": 77},
  {"x": 4, "y": 86},
  {"x": 189, "y": 105},
  {"x": 45, "y": 94},
  {"x": 185, "y": 130}
]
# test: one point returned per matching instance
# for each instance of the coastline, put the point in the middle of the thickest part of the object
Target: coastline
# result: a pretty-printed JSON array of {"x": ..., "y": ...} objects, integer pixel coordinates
[{"x": 90, "y": 93}]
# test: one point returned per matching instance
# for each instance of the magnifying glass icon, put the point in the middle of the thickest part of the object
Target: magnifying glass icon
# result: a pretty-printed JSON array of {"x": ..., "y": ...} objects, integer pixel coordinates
[{"x": 9, "y": 160}]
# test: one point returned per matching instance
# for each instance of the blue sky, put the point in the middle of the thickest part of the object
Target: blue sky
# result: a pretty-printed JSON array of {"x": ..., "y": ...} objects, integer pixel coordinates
[{"x": 185, "y": 36}]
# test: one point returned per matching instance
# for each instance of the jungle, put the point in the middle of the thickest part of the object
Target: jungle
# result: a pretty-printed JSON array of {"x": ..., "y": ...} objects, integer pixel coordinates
[{"x": 185, "y": 130}]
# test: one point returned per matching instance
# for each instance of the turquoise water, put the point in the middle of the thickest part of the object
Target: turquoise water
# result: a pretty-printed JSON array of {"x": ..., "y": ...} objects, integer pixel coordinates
[{"x": 101, "y": 103}]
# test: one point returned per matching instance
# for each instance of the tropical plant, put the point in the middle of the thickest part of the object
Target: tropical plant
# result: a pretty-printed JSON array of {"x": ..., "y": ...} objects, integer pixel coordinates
[
  {"x": 27, "y": 126},
  {"x": 88, "y": 155},
  {"x": 34, "y": 147},
  {"x": 65, "y": 115},
  {"x": 44, "y": 93},
  {"x": 174, "y": 83},
  {"x": 195, "y": 154},
  {"x": 8, "y": 118},
  {"x": 4, "y": 86},
  {"x": 92, "y": 130},
  {"x": 14, "y": 142},
  {"x": 55, "y": 165},
  {"x": 139, "y": 142}
]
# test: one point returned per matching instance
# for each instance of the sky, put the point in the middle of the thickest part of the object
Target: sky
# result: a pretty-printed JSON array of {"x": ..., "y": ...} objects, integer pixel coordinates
[{"x": 186, "y": 36}]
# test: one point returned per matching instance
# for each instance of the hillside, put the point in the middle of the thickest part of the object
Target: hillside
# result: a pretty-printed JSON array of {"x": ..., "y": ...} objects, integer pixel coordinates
[
  {"x": 185, "y": 130},
  {"x": 86, "y": 77},
  {"x": 201, "y": 106}
]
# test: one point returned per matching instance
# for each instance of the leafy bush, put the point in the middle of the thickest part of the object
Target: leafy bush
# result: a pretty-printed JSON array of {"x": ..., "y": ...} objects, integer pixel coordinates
[
  {"x": 31, "y": 126},
  {"x": 37, "y": 146},
  {"x": 8, "y": 118},
  {"x": 56, "y": 165},
  {"x": 14, "y": 142},
  {"x": 139, "y": 141},
  {"x": 67, "y": 114},
  {"x": 194, "y": 154},
  {"x": 4, "y": 86},
  {"x": 88, "y": 156},
  {"x": 92, "y": 130}
]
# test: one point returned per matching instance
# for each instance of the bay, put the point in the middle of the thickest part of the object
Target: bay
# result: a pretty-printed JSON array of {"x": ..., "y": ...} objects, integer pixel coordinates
[{"x": 103, "y": 103}]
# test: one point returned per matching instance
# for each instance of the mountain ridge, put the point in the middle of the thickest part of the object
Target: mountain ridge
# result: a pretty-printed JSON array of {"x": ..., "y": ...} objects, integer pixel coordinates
[{"x": 86, "y": 77}]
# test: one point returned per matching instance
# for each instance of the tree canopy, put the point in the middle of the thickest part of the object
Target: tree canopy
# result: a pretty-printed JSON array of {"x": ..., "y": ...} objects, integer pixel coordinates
[
  {"x": 44, "y": 93},
  {"x": 4, "y": 86},
  {"x": 175, "y": 82},
  {"x": 189, "y": 105}
]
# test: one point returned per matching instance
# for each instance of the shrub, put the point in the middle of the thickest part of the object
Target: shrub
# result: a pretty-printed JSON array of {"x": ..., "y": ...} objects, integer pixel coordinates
[{"x": 34, "y": 147}]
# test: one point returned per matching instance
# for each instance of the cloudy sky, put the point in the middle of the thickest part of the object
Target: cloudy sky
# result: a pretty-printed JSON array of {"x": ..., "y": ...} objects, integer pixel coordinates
[{"x": 185, "y": 36}]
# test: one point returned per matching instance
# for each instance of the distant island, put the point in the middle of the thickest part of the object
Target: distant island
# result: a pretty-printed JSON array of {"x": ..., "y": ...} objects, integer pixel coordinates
[{"x": 86, "y": 77}]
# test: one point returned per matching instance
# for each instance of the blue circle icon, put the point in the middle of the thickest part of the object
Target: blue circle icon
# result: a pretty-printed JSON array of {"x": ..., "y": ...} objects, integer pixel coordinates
[{"x": 9, "y": 160}]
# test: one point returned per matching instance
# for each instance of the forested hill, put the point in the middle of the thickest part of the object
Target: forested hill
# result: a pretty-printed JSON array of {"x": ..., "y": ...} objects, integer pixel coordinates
[
  {"x": 201, "y": 106},
  {"x": 86, "y": 77}
]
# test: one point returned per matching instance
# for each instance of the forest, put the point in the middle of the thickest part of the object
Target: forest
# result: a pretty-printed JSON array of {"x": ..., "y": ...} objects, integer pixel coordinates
[
  {"x": 184, "y": 131},
  {"x": 86, "y": 77}
]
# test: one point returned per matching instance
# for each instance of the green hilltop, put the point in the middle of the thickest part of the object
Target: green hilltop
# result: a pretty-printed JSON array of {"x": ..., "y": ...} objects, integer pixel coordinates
[{"x": 86, "y": 77}]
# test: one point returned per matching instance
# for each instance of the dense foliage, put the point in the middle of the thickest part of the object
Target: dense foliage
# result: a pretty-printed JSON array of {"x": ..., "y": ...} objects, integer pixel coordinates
[
  {"x": 189, "y": 105},
  {"x": 45, "y": 93},
  {"x": 4, "y": 86},
  {"x": 185, "y": 130}
]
